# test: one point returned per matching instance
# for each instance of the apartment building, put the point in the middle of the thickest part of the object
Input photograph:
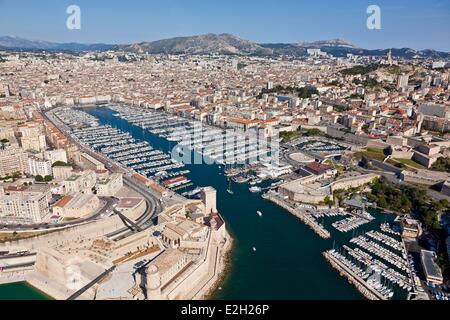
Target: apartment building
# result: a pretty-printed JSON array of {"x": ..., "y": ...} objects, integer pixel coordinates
[
  {"x": 39, "y": 167},
  {"x": 25, "y": 205},
  {"x": 56, "y": 155},
  {"x": 13, "y": 159}
]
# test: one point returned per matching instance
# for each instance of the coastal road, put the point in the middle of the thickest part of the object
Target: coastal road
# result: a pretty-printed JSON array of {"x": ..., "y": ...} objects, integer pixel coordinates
[{"x": 145, "y": 221}]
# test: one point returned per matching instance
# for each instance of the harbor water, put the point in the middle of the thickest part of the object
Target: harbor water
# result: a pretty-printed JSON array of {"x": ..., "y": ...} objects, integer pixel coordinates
[{"x": 287, "y": 263}]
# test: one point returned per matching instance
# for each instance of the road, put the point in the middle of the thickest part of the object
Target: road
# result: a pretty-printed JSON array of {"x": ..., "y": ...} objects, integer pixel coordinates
[
  {"x": 153, "y": 203},
  {"x": 108, "y": 207},
  {"x": 390, "y": 176}
]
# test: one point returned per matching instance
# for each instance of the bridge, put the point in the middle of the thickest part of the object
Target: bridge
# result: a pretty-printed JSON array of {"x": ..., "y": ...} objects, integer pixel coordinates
[
  {"x": 153, "y": 208},
  {"x": 133, "y": 225},
  {"x": 78, "y": 293}
]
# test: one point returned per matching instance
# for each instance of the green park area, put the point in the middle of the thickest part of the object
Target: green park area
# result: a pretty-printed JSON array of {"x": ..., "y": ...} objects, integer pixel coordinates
[
  {"x": 371, "y": 154},
  {"x": 411, "y": 163}
]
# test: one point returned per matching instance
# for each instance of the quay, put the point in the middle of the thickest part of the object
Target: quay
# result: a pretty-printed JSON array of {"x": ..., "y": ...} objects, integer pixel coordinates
[
  {"x": 353, "y": 279},
  {"x": 309, "y": 221}
]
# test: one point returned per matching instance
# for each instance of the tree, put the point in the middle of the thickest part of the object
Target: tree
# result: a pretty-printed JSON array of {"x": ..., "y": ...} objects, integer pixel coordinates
[
  {"x": 442, "y": 164},
  {"x": 307, "y": 92},
  {"x": 444, "y": 203},
  {"x": 48, "y": 178},
  {"x": 16, "y": 175},
  {"x": 314, "y": 132},
  {"x": 400, "y": 165},
  {"x": 364, "y": 162},
  {"x": 61, "y": 164},
  {"x": 39, "y": 178},
  {"x": 360, "y": 69},
  {"x": 328, "y": 201}
]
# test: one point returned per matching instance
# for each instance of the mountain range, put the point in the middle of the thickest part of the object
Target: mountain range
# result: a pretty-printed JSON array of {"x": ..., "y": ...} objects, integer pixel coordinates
[
  {"x": 13, "y": 42},
  {"x": 221, "y": 44}
]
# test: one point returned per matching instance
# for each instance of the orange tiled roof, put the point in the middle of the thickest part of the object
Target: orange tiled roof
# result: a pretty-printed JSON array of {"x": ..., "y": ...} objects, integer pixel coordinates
[{"x": 61, "y": 203}]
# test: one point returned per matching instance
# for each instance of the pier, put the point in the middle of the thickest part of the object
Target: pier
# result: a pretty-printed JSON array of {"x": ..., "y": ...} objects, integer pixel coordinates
[
  {"x": 309, "y": 221},
  {"x": 353, "y": 278}
]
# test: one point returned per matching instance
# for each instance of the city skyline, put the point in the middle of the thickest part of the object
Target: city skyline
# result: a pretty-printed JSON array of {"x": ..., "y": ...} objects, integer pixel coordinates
[{"x": 403, "y": 24}]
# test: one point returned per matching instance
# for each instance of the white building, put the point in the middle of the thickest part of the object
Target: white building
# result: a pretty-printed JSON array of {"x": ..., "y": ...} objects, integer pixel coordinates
[
  {"x": 56, "y": 155},
  {"x": 108, "y": 187},
  {"x": 315, "y": 52},
  {"x": 39, "y": 167},
  {"x": 88, "y": 162},
  {"x": 76, "y": 206},
  {"x": 13, "y": 160},
  {"x": 62, "y": 173},
  {"x": 25, "y": 205},
  {"x": 402, "y": 81},
  {"x": 83, "y": 182}
]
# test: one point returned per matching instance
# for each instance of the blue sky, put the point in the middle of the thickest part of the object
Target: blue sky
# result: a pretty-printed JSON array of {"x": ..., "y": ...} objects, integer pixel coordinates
[{"x": 417, "y": 24}]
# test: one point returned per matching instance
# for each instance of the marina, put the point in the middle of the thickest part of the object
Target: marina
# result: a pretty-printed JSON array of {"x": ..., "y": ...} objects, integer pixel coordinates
[
  {"x": 289, "y": 235},
  {"x": 222, "y": 146},
  {"x": 349, "y": 224},
  {"x": 251, "y": 230},
  {"x": 239, "y": 207},
  {"x": 122, "y": 148},
  {"x": 315, "y": 218},
  {"x": 378, "y": 261}
]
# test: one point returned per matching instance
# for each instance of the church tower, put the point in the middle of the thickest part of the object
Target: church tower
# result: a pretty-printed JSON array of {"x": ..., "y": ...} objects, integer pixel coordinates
[{"x": 389, "y": 58}]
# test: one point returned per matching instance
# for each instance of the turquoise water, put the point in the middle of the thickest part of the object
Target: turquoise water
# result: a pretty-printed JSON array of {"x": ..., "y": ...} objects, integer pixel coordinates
[
  {"x": 20, "y": 291},
  {"x": 287, "y": 263}
]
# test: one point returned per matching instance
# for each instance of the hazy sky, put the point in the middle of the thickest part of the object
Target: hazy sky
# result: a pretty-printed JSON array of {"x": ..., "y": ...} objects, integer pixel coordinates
[{"x": 417, "y": 24}]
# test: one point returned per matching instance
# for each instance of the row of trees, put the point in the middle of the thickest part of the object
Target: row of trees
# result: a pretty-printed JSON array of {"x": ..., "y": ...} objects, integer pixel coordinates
[
  {"x": 289, "y": 135},
  {"x": 442, "y": 164},
  {"x": 360, "y": 69},
  {"x": 61, "y": 164},
  {"x": 40, "y": 178},
  {"x": 406, "y": 199},
  {"x": 303, "y": 92},
  {"x": 14, "y": 176}
]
